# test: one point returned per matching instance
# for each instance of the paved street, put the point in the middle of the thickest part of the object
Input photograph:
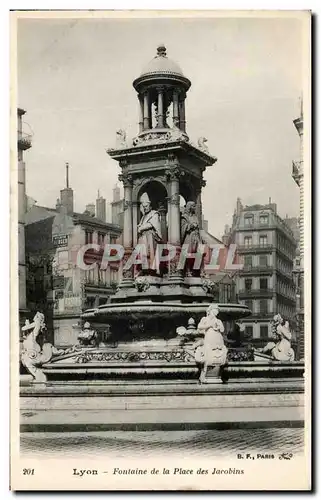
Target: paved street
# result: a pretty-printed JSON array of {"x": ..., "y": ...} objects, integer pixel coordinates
[{"x": 131, "y": 443}]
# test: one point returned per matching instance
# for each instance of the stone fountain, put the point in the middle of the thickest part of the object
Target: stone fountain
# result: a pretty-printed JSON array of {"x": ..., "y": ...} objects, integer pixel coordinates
[
  {"x": 160, "y": 168},
  {"x": 140, "y": 357}
]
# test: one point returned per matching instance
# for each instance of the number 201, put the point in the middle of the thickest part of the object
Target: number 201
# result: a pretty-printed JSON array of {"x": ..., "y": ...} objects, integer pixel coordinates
[{"x": 28, "y": 472}]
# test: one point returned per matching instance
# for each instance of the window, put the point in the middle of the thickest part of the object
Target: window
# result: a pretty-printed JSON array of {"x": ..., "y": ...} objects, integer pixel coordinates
[
  {"x": 263, "y": 306},
  {"x": 248, "y": 284},
  {"x": 101, "y": 237},
  {"x": 263, "y": 283},
  {"x": 248, "y": 241},
  {"x": 263, "y": 240},
  {"x": 249, "y": 330},
  {"x": 264, "y": 331},
  {"x": 264, "y": 219},
  {"x": 248, "y": 220},
  {"x": 263, "y": 260},
  {"x": 88, "y": 237},
  {"x": 248, "y": 261}
]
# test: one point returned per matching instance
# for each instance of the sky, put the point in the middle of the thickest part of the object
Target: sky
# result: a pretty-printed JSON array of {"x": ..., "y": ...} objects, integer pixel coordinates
[{"x": 75, "y": 82}]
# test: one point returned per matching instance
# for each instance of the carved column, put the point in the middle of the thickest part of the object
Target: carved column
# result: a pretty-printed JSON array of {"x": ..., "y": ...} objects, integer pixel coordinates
[
  {"x": 199, "y": 202},
  {"x": 162, "y": 213},
  {"x": 141, "y": 113},
  {"x": 160, "y": 106},
  {"x": 175, "y": 109},
  {"x": 174, "y": 223},
  {"x": 146, "y": 111},
  {"x": 150, "y": 113},
  {"x": 174, "y": 230},
  {"x": 128, "y": 210},
  {"x": 127, "y": 180},
  {"x": 182, "y": 119},
  {"x": 135, "y": 205}
]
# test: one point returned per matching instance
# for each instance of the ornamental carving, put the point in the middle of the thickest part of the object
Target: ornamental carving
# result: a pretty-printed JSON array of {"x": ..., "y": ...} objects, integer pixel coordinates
[
  {"x": 177, "y": 356},
  {"x": 141, "y": 283},
  {"x": 157, "y": 136},
  {"x": 202, "y": 144},
  {"x": 173, "y": 174},
  {"x": 126, "y": 179},
  {"x": 174, "y": 199},
  {"x": 208, "y": 286},
  {"x": 121, "y": 139}
]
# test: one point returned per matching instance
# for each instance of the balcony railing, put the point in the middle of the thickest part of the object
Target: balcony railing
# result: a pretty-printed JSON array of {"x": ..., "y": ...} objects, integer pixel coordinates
[
  {"x": 256, "y": 292},
  {"x": 254, "y": 248},
  {"x": 24, "y": 140},
  {"x": 257, "y": 270}
]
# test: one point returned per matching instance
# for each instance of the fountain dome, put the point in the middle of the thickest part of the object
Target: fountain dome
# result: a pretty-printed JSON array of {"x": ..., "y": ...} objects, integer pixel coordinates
[{"x": 162, "y": 68}]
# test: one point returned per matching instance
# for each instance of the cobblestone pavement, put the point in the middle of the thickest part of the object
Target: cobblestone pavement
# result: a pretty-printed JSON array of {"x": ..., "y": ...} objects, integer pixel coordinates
[{"x": 138, "y": 443}]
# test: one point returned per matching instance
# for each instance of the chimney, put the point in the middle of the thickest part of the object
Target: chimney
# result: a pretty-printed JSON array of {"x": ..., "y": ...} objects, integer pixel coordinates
[
  {"x": 90, "y": 209},
  {"x": 116, "y": 193},
  {"x": 101, "y": 208},
  {"x": 270, "y": 200},
  {"x": 67, "y": 195}
]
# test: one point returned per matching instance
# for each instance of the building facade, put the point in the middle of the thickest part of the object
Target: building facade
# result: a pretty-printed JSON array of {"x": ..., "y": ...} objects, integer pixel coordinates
[
  {"x": 57, "y": 282},
  {"x": 298, "y": 176},
  {"x": 266, "y": 247},
  {"x": 23, "y": 144}
]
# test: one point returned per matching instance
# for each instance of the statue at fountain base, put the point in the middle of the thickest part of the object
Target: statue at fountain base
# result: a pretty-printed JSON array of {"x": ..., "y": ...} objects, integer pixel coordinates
[
  {"x": 33, "y": 356},
  {"x": 210, "y": 352},
  {"x": 280, "y": 350}
]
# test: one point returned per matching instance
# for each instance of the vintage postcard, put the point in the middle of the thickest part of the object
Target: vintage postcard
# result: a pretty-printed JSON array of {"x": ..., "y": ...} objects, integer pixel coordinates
[{"x": 160, "y": 250}]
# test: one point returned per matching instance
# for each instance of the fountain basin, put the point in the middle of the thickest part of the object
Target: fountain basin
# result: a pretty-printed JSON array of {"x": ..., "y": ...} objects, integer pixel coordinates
[{"x": 176, "y": 311}]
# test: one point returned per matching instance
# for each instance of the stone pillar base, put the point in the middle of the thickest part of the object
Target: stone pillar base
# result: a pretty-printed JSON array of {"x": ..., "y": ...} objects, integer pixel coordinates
[{"x": 212, "y": 375}]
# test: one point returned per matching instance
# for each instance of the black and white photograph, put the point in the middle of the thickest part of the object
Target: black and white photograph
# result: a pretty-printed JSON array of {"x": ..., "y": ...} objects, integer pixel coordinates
[{"x": 160, "y": 259}]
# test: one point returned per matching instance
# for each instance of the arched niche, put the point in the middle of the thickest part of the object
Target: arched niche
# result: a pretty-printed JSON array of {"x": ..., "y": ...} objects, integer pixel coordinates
[
  {"x": 155, "y": 192},
  {"x": 187, "y": 191}
]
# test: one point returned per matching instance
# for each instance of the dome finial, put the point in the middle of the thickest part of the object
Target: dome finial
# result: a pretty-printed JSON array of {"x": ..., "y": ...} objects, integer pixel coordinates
[{"x": 161, "y": 50}]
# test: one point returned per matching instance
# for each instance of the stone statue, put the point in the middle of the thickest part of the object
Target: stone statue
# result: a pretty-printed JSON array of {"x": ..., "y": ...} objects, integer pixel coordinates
[
  {"x": 190, "y": 230},
  {"x": 149, "y": 232},
  {"x": 280, "y": 350},
  {"x": 190, "y": 235},
  {"x": 33, "y": 356},
  {"x": 88, "y": 337},
  {"x": 202, "y": 144},
  {"x": 121, "y": 139},
  {"x": 211, "y": 350}
]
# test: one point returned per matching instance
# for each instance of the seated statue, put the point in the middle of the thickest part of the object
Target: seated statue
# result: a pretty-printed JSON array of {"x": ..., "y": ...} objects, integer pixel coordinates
[
  {"x": 211, "y": 350},
  {"x": 280, "y": 350}
]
